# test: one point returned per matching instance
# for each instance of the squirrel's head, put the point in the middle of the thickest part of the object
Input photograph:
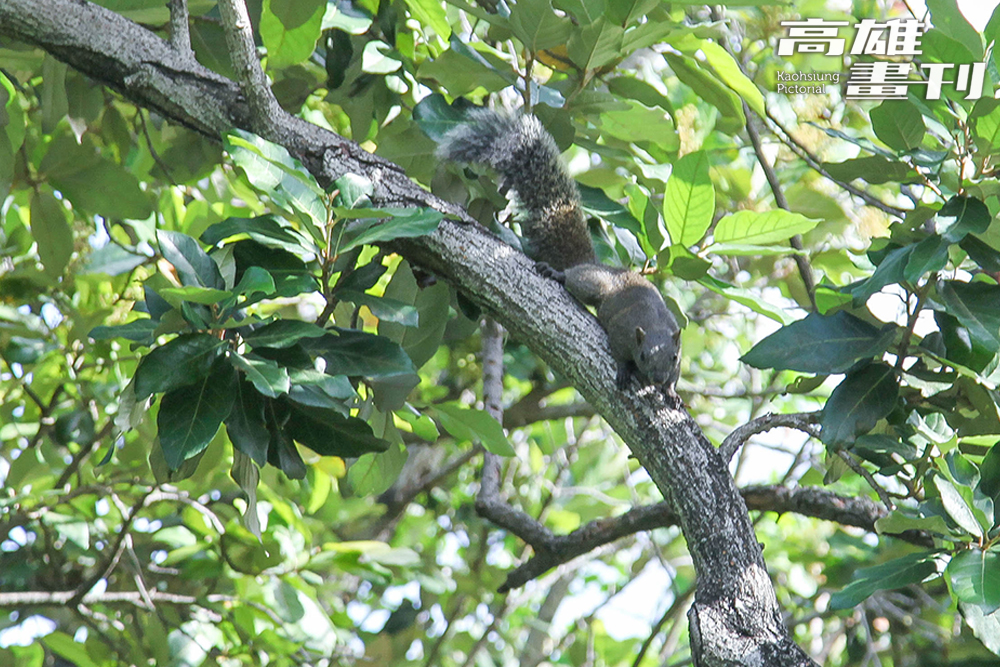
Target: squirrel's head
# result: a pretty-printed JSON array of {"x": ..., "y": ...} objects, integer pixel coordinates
[{"x": 658, "y": 355}]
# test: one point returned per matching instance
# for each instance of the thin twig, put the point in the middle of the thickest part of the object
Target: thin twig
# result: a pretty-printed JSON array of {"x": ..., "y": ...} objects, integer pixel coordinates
[
  {"x": 861, "y": 470},
  {"x": 802, "y": 421}
]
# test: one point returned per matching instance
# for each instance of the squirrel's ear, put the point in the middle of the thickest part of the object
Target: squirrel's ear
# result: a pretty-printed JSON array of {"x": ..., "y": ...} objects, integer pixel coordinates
[{"x": 640, "y": 335}]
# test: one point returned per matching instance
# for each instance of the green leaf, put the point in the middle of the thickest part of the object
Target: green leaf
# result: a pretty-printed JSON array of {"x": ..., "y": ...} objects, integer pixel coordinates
[
  {"x": 468, "y": 424},
  {"x": 636, "y": 89},
  {"x": 404, "y": 223},
  {"x": 975, "y": 306},
  {"x": 379, "y": 58},
  {"x": 193, "y": 265},
  {"x": 820, "y": 344},
  {"x": 961, "y": 216},
  {"x": 113, "y": 260},
  {"x": 272, "y": 171},
  {"x": 975, "y": 578},
  {"x": 595, "y": 45},
  {"x": 311, "y": 387},
  {"x": 928, "y": 256},
  {"x": 537, "y": 26},
  {"x": 328, "y": 433},
  {"x": 899, "y": 124},
  {"x": 436, "y": 117},
  {"x": 874, "y": 169},
  {"x": 460, "y": 70},
  {"x": 389, "y": 310},
  {"x": 989, "y": 474},
  {"x": 268, "y": 230},
  {"x": 891, "y": 270},
  {"x": 640, "y": 125},
  {"x": 190, "y": 416},
  {"x": 986, "y": 626},
  {"x": 948, "y": 18},
  {"x": 689, "y": 201},
  {"x": 749, "y": 298},
  {"x": 983, "y": 254},
  {"x": 956, "y": 506},
  {"x": 431, "y": 13},
  {"x": 140, "y": 331},
  {"x": 859, "y": 401},
  {"x": 284, "y": 333},
  {"x": 909, "y": 569},
  {"x": 91, "y": 182},
  {"x": 267, "y": 376},
  {"x": 358, "y": 354},
  {"x": 761, "y": 228},
  {"x": 183, "y": 361},
  {"x": 900, "y": 522},
  {"x": 281, "y": 451},
  {"x": 727, "y": 69},
  {"x": 432, "y": 305},
  {"x": 247, "y": 476},
  {"x": 193, "y": 294},
  {"x": 708, "y": 87},
  {"x": 51, "y": 231},
  {"x": 245, "y": 424},
  {"x": 986, "y": 126},
  {"x": 290, "y": 274},
  {"x": 290, "y": 30},
  {"x": 67, "y": 648},
  {"x": 373, "y": 474}
]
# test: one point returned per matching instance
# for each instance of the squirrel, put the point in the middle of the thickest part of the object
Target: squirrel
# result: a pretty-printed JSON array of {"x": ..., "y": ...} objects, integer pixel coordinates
[{"x": 643, "y": 333}]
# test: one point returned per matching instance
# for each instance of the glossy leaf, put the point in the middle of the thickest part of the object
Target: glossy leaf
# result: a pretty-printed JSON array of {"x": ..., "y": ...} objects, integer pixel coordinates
[
  {"x": 193, "y": 265},
  {"x": 190, "y": 416},
  {"x": 909, "y": 569},
  {"x": 961, "y": 216},
  {"x": 267, "y": 376},
  {"x": 820, "y": 344},
  {"x": 957, "y": 507},
  {"x": 329, "y": 433},
  {"x": 267, "y": 230},
  {"x": 859, "y": 401},
  {"x": 245, "y": 424},
  {"x": 975, "y": 578},
  {"x": 358, "y": 354},
  {"x": 284, "y": 333},
  {"x": 180, "y": 362},
  {"x": 537, "y": 26},
  {"x": 975, "y": 306},
  {"x": 404, "y": 223}
]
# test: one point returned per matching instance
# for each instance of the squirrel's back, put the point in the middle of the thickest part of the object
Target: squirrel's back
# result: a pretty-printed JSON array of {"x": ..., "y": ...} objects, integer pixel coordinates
[{"x": 526, "y": 156}]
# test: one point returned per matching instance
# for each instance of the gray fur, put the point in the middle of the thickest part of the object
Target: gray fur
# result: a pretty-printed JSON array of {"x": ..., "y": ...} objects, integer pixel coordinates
[
  {"x": 527, "y": 158},
  {"x": 643, "y": 333}
]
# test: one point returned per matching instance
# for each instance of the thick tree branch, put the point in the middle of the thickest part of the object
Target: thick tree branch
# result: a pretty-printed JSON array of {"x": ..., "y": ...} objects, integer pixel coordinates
[
  {"x": 735, "y": 605},
  {"x": 552, "y": 550}
]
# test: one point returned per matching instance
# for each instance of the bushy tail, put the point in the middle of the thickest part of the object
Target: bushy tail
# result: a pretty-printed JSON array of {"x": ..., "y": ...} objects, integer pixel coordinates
[{"x": 521, "y": 150}]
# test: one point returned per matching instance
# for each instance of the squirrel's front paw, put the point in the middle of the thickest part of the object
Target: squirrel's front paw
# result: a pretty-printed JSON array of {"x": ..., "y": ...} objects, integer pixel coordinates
[{"x": 549, "y": 272}]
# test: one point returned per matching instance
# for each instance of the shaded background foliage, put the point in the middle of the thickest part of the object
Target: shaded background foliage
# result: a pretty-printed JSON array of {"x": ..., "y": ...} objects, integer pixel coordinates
[{"x": 131, "y": 534}]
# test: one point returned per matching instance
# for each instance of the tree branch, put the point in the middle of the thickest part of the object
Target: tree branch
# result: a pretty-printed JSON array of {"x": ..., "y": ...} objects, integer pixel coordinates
[
  {"x": 735, "y": 603},
  {"x": 803, "y": 421}
]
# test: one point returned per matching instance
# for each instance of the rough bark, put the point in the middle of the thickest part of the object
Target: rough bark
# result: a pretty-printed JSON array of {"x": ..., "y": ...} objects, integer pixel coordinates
[{"x": 735, "y": 619}]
